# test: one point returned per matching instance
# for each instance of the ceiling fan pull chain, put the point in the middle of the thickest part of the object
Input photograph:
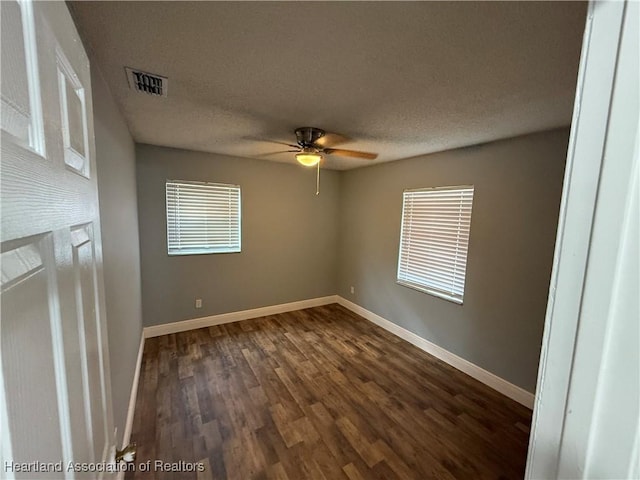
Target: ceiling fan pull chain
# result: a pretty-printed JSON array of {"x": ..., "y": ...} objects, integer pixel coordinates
[{"x": 318, "y": 180}]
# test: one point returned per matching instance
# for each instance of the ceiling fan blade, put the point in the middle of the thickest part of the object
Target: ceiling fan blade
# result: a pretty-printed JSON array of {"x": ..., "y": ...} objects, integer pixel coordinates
[
  {"x": 276, "y": 153},
  {"x": 256, "y": 139},
  {"x": 351, "y": 153},
  {"x": 283, "y": 143},
  {"x": 330, "y": 139}
]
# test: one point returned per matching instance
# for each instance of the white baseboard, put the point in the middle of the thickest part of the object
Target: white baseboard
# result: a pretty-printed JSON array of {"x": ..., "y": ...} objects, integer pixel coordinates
[
  {"x": 510, "y": 390},
  {"x": 194, "y": 323},
  {"x": 126, "y": 438},
  {"x": 128, "y": 428}
]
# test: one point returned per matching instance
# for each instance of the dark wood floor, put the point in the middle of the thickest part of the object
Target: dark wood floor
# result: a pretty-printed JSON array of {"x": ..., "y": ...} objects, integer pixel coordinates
[{"x": 318, "y": 394}]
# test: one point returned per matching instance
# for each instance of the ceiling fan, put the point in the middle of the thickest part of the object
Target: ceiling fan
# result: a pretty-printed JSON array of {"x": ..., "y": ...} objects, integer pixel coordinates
[{"x": 312, "y": 142}]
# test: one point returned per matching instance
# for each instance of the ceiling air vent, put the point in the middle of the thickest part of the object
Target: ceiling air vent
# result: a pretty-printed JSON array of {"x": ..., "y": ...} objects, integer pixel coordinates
[{"x": 147, "y": 82}]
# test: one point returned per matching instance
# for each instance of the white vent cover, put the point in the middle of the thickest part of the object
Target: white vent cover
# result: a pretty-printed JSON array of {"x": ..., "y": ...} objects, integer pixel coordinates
[{"x": 145, "y": 82}]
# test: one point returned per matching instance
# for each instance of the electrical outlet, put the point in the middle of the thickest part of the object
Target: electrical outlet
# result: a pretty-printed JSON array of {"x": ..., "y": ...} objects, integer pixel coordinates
[
  {"x": 353, "y": 290},
  {"x": 198, "y": 303}
]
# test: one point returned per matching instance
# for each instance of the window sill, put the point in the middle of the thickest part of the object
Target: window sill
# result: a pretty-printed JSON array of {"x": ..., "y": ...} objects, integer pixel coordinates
[
  {"x": 430, "y": 291},
  {"x": 201, "y": 252}
]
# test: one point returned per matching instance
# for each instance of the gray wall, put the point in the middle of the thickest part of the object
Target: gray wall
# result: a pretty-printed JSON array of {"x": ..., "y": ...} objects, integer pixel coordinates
[
  {"x": 289, "y": 237},
  {"x": 115, "y": 152},
  {"x": 518, "y": 185},
  {"x": 298, "y": 246}
]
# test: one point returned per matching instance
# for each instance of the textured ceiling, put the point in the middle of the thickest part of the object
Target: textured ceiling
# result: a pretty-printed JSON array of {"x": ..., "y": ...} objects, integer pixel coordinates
[{"x": 401, "y": 79}]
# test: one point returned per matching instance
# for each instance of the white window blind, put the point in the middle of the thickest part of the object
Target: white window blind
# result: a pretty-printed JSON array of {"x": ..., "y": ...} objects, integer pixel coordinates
[
  {"x": 434, "y": 240},
  {"x": 202, "y": 218}
]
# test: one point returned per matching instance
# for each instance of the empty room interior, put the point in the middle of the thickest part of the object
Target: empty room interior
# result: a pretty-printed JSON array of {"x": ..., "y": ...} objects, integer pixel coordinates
[{"x": 307, "y": 240}]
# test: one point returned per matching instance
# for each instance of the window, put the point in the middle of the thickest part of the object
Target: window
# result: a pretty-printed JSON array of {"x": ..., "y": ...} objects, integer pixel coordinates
[
  {"x": 434, "y": 239},
  {"x": 202, "y": 218}
]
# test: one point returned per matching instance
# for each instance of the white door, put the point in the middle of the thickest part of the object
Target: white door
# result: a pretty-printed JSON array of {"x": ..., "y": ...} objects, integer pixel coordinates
[{"x": 55, "y": 398}]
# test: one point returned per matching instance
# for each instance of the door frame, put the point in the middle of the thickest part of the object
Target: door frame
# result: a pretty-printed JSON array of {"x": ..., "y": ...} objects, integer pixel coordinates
[{"x": 552, "y": 451}]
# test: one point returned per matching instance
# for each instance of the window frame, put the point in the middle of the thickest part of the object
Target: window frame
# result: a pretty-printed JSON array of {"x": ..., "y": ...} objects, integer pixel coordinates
[
  {"x": 231, "y": 247},
  {"x": 425, "y": 287}
]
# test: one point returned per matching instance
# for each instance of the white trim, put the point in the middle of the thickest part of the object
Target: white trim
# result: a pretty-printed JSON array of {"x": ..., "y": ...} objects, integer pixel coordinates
[
  {"x": 194, "y": 323},
  {"x": 126, "y": 438},
  {"x": 128, "y": 428},
  {"x": 587, "y": 387},
  {"x": 580, "y": 195},
  {"x": 510, "y": 390},
  {"x": 499, "y": 384}
]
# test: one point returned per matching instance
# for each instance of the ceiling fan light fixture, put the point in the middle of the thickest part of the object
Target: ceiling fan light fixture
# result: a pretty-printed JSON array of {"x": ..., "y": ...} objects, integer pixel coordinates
[{"x": 308, "y": 159}]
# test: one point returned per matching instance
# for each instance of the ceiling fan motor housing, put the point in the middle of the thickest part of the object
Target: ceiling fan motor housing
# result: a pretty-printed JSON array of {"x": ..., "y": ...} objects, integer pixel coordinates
[{"x": 308, "y": 136}]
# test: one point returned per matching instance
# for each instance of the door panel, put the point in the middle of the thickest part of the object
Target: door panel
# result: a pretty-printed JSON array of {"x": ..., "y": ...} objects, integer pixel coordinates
[
  {"x": 21, "y": 112},
  {"x": 84, "y": 268},
  {"x": 55, "y": 398},
  {"x": 25, "y": 291},
  {"x": 73, "y": 116}
]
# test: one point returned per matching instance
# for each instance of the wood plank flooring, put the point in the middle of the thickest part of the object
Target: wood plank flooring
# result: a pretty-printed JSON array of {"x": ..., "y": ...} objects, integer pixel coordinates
[{"x": 320, "y": 394}]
